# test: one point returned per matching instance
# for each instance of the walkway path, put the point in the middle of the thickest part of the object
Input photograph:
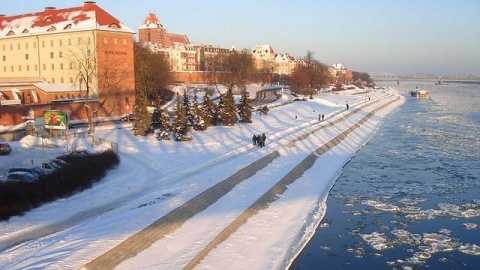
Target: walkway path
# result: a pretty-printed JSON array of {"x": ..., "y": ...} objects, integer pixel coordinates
[{"x": 173, "y": 220}]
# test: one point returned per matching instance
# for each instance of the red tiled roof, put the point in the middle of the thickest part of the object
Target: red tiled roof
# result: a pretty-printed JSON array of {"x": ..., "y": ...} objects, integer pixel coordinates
[
  {"x": 178, "y": 38},
  {"x": 32, "y": 22}
]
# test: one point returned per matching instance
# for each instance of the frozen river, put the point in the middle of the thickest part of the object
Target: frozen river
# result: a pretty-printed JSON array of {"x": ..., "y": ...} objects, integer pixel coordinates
[{"x": 410, "y": 199}]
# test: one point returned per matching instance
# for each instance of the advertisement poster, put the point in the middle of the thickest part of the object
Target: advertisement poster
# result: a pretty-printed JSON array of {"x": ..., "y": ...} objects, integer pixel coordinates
[{"x": 55, "y": 119}]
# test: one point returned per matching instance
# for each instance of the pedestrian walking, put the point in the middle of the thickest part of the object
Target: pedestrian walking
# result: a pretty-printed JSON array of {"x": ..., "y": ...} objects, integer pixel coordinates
[
  {"x": 323, "y": 117},
  {"x": 347, "y": 105},
  {"x": 254, "y": 139},
  {"x": 259, "y": 140},
  {"x": 263, "y": 139}
]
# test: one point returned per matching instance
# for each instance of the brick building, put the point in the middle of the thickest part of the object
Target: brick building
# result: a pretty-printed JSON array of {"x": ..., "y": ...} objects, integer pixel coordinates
[{"x": 42, "y": 56}]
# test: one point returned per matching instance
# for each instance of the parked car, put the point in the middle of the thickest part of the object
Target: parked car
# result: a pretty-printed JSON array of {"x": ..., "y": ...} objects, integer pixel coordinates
[
  {"x": 21, "y": 176},
  {"x": 5, "y": 149},
  {"x": 128, "y": 117},
  {"x": 60, "y": 162},
  {"x": 32, "y": 170},
  {"x": 44, "y": 164},
  {"x": 74, "y": 154}
]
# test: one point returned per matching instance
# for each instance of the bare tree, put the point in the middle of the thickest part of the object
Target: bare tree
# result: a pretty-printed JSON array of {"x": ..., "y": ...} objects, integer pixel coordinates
[
  {"x": 83, "y": 63},
  {"x": 309, "y": 75}
]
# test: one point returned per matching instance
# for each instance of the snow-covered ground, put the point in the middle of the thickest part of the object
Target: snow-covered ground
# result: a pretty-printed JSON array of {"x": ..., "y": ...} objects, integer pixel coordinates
[{"x": 156, "y": 177}]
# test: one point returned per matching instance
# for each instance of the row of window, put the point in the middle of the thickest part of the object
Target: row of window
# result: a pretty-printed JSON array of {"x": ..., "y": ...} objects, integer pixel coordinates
[
  {"x": 60, "y": 43},
  {"x": 52, "y": 55},
  {"x": 35, "y": 67}
]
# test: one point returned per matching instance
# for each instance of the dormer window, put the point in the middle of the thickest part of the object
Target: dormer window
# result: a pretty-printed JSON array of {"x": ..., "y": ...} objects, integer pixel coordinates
[
  {"x": 114, "y": 26},
  {"x": 48, "y": 19},
  {"x": 52, "y": 28},
  {"x": 25, "y": 31},
  {"x": 11, "y": 33},
  {"x": 68, "y": 26}
]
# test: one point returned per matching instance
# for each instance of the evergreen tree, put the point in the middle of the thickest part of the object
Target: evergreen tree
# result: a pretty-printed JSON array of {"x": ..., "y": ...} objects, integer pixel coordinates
[
  {"x": 142, "y": 116},
  {"x": 180, "y": 125},
  {"x": 208, "y": 110},
  {"x": 187, "y": 108},
  {"x": 244, "y": 108},
  {"x": 164, "y": 129},
  {"x": 197, "y": 114},
  {"x": 228, "y": 111}
]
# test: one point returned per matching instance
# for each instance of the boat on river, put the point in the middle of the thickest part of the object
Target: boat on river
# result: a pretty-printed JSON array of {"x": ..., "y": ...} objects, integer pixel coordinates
[{"x": 419, "y": 93}]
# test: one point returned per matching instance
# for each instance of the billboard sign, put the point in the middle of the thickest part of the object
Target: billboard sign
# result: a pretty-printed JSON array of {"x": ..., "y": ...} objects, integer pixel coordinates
[{"x": 55, "y": 119}]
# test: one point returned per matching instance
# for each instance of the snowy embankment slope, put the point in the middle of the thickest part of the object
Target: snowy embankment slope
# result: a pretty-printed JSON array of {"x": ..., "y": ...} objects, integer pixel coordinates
[{"x": 156, "y": 177}]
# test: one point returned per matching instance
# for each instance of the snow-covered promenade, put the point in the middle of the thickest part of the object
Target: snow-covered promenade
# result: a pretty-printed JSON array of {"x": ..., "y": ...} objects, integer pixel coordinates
[{"x": 218, "y": 202}]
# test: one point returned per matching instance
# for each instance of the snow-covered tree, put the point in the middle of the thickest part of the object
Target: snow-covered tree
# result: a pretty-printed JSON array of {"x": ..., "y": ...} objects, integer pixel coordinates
[
  {"x": 208, "y": 108},
  {"x": 164, "y": 128},
  {"x": 227, "y": 110},
  {"x": 244, "y": 108},
  {"x": 187, "y": 108},
  {"x": 197, "y": 115},
  {"x": 179, "y": 124}
]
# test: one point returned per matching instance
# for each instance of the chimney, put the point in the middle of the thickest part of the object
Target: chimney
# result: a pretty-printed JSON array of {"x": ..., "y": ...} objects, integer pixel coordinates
[
  {"x": 49, "y": 8},
  {"x": 88, "y": 4}
]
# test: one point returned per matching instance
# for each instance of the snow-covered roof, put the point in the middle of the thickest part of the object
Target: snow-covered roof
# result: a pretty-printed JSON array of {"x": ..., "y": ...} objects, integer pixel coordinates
[
  {"x": 339, "y": 66},
  {"x": 57, "y": 87},
  {"x": 86, "y": 17}
]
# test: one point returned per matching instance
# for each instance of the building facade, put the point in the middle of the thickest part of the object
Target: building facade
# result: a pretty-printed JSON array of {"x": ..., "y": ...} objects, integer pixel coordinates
[{"x": 84, "y": 49}]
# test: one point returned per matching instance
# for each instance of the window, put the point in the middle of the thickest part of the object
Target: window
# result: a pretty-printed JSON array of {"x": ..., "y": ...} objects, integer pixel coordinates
[
  {"x": 124, "y": 42},
  {"x": 53, "y": 66},
  {"x": 3, "y": 46},
  {"x": 43, "y": 43},
  {"x": 44, "y": 67},
  {"x": 53, "y": 80},
  {"x": 20, "y": 68},
  {"x": 105, "y": 40},
  {"x": 70, "y": 65},
  {"x": 26, "y": 56},
  {"x": 28, "y": 68},
  {"x": 51, "y": 54},
  {"x": 89, "y": 52},
  {"x": 61, "y": 80},
  {"x": 61, "y": 66},
  {"x": 26, "y": 45},
  {"x": 88, "y": 40},
  {"x": 4, "y": 58},
  {"x": 51, "y": 43},
  {"x": 69, "y": 42},
  {"x": 60, "y": 42},
  {"x": 115, "y": 41},
  {"x": 60, "y": 54},
  {"x": 11, "y": 68},
  {"x": 11, "y": 47}
]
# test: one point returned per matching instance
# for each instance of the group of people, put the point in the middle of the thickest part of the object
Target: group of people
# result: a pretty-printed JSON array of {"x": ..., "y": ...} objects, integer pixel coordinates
[{"x": 259, "y": 140}]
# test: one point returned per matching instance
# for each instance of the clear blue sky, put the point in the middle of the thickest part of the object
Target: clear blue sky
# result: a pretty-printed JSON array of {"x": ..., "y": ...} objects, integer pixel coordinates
[{"x": 440, "y": 37}]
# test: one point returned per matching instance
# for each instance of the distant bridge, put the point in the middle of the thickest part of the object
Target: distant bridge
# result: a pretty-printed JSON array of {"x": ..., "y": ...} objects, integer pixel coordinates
[{"x": 383, "y": 76}]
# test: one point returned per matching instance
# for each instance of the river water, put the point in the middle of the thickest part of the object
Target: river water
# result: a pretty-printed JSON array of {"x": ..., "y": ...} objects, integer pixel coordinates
[{"x": 410, "y": 198}]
